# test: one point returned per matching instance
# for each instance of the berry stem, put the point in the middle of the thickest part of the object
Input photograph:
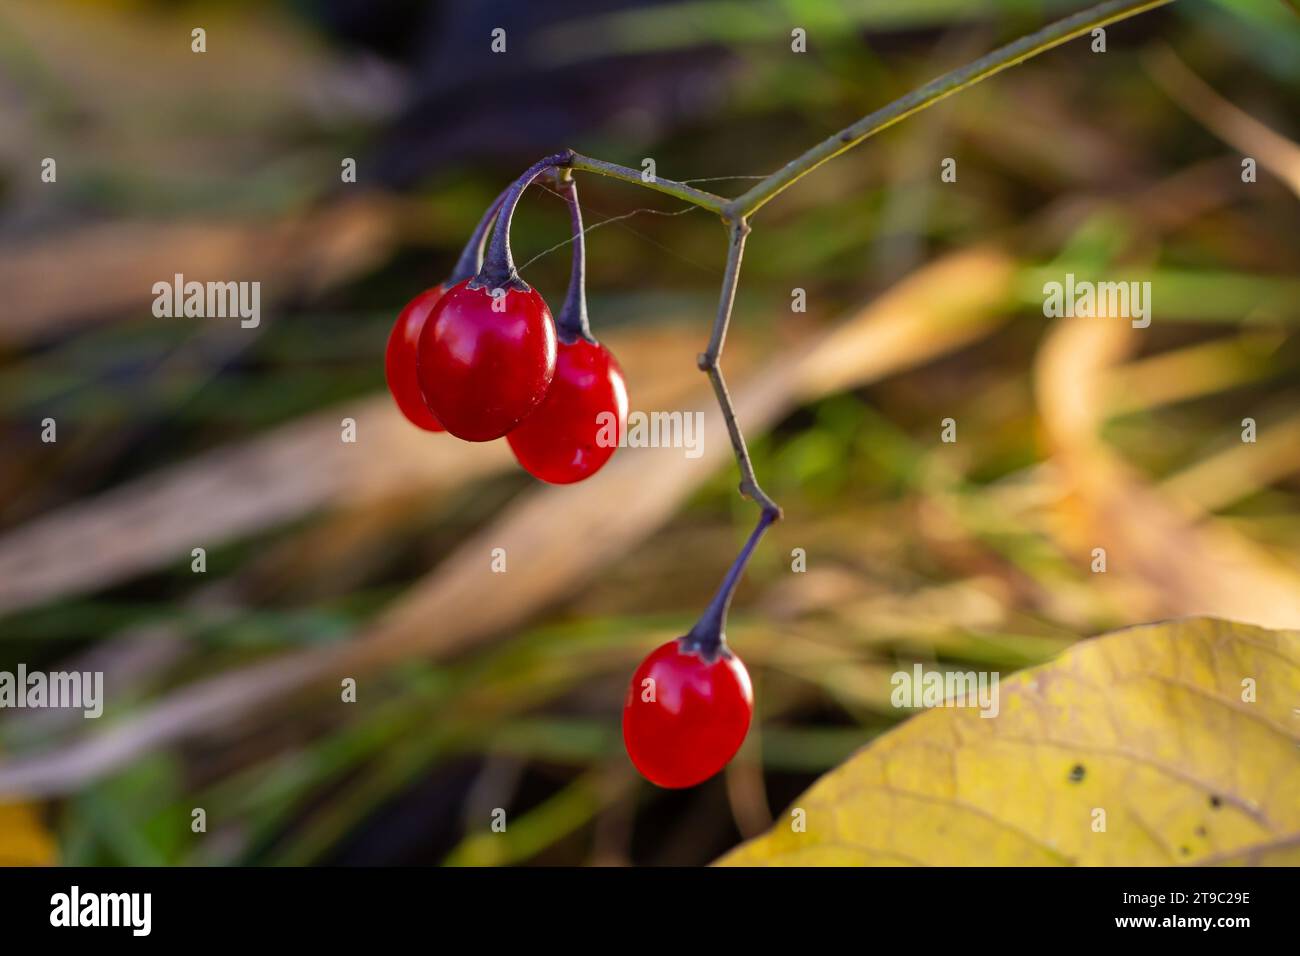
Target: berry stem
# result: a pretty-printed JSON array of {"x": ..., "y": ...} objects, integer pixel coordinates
[
  {"x": 572, "y": 324},
  {"x": 708, "y": 637},
  {"x": 498, "y": 271},
  {"x": 471, "y": 258}
]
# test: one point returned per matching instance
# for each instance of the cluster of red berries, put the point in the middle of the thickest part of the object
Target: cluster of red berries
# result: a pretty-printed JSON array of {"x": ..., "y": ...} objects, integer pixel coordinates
[
  {"x": 480, "y": 357},
  {"x": 477, "y": 356}
]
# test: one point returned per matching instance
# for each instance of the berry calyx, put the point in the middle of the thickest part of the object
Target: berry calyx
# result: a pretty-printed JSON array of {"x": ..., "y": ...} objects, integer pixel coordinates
[
  {"x": 485, "y": 361},
  {"x": 578, "y": 426},
  {"x": 400, "y": 359},
  {"x": 686, "y": 714}
]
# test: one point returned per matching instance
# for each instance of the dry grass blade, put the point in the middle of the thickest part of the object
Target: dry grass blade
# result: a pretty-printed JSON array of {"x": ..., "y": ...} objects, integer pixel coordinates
[
  {"x": 121, "y": 261},
  {"x": 1238, "y": 129},
  {"x": 1223, "y": 479},
  {"x": 110, "y": 89},
  {"x": 1184, "y": 567},
  {"x": 1184, "y": 374}
]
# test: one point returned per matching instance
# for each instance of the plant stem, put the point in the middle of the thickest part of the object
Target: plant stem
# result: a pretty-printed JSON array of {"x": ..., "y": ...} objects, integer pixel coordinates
[
  {"x": 699, "y": 197},
  {"x": 710, "y": 362},
  {"x": 953, "y": 82},
  {"x": 708, "y": 636},
  {"x": 571, "y": 324},
  {"x": 735, "y": 212},
  {"x": 498, "y": 270}
]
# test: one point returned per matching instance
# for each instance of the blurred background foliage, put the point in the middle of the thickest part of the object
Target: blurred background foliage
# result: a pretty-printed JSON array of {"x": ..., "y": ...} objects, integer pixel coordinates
[{"x": 480, "y": 691}]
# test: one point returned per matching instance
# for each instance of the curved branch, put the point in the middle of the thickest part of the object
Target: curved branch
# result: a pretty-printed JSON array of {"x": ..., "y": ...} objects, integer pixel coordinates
[
  {"x": 705, "y": 200},
  {"x": 952, "y": 82}
]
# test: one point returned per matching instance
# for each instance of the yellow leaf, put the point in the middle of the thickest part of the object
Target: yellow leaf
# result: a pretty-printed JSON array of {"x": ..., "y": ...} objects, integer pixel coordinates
[
  {"x": 23, "y": 840},
  {"x": 1154, "y": 726}
]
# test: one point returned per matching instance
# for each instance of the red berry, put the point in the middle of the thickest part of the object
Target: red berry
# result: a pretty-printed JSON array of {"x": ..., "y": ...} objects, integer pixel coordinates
[
  {"x": 686, "y": 716},
  {"x": 400, "y": 359},
  {"x": 482, "y": 370},
  {"x": 577, "y": 428}
]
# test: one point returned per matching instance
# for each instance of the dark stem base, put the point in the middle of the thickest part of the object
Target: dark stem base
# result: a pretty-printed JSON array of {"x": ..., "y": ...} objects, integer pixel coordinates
[
  {"x": 708, "y": 638},
  {"x": 499, "y": 270}
]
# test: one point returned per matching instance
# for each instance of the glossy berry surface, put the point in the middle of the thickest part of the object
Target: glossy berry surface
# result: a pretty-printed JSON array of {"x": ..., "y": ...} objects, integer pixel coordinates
[
  {"x": 400, "y": 359},
  {"x": 482, "y": 370},
  {"x": 577, "y": 427},
  {"x": 685, "y": 716}
]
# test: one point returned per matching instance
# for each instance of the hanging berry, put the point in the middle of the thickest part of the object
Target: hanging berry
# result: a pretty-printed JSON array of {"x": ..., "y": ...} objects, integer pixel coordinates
[
  {"x": 687, "y": 713},
  {"x": 486, "y": 355},
  {"x": 400, "y": 357},
  {"x": 690, "y": 702}
]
